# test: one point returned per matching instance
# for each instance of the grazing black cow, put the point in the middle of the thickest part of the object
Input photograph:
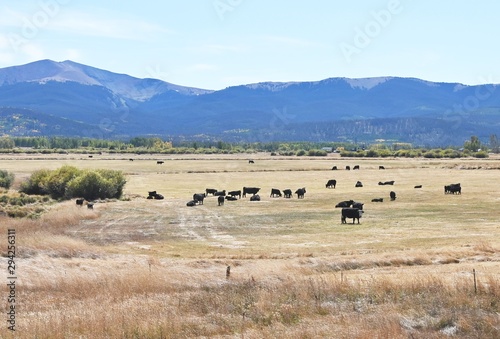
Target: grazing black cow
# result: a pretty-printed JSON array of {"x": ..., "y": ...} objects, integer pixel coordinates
[
  {"x": 356, "y": 167},
  {"x": 80, "y": 201},
  {"x": 287, "y": 193},
  {"x": 378, "y": 200},
  {"x": 220, "y": 193},
  {"x": 130, "y": 159},
  {"x": 250, "y": 190},
  {"x": 275, "y": 193},
  {"x": 300, "y": 193},
  {"x": 235, "y": 193},
  {"x": 255, "y": 197},
  {"x": 159, "y": 162},
  {"x": 452, "y": 189},
  {"x": 210, "y": 191},
  {"x": 331, "y": 183},
  {"x": 352, "y": 213},
  {"x": 381, "y": 167},
  {"x": 348, "y": 168},
  {"x": 230, "y": 198},
  {"x": 358, "y": 184},
  {"x": 90, "y": 205},
  {"x": 220, "y": 200},
  {"x": 334, "y": 168},
  {"x": 90, "y": 156},
  {"x": 392, "y": 195},
  {"x": 418, "y": 186},
  {"x": 357, "y": 205},
  {"x": 191, "y": 203},
  {"x": 346, "y": 203},
  {"x": 386, "y": 182},
  {"x": 199, "y": 197},
  {"x": 251, "y": 162}
]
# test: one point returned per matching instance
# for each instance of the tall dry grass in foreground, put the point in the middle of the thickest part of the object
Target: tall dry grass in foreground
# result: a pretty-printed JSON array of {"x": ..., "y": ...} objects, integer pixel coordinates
[{"x": 140, "y": 303}]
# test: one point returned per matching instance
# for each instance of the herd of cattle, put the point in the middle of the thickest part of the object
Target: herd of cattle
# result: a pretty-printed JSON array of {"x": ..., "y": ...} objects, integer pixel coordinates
[
  {"x": 350, "y": 208},
  {"x": 198, "y": 198}
]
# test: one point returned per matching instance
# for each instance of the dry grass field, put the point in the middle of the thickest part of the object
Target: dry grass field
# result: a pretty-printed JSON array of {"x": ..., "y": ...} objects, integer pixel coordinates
[{"x": 139, "y": 268}]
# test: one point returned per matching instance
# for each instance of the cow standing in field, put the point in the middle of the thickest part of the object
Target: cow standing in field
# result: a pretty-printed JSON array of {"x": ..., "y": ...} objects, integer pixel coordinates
[
  {"x": 300, "y": 193},
  {"x": 220, "y": 200},
  {"x": 348, "y": 168},
  {"x": 220, "y": 193},
  {"x": 250, "y": 190},
  {"x": 275, "y": 193},
  {"x": 356, "y": 167},
  {"x": 358, "y": 184},
  {"x": 392, "y": 195},
  {"x": 210, "y": 191},
  {"x": 287, "y": 193},
  {"x": 235, "y": 193},
  {"x": 381, "y": 167},
  {"x": 452, "y": 189},
  {"x": 199, "y": 197},
  {"x": 331, "y": 183},
  {"x": 159, "y": 162},
  {"x": 352, "y": 213},
  {"x": 80, "y": 201},
  {"x": 334, "y": 168}
]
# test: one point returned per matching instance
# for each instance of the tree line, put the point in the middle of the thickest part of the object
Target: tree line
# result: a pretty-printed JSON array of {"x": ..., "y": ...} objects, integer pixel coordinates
[{"x": 141, "y": 145}]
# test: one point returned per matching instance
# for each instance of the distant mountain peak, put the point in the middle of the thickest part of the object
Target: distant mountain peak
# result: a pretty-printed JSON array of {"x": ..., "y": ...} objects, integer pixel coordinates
[{"x": 44, "y": 71}]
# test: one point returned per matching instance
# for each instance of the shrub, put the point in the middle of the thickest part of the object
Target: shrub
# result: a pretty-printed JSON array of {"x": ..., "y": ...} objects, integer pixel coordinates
[
  {"x": 36, "y": 183},
  {"x": 69, "y": 182},
  {"x": 481, "y": 154},
  {"x": 6, "y": 179},
  {"x": 58, "y": 181},
  {"x": 99, "y": 184}
]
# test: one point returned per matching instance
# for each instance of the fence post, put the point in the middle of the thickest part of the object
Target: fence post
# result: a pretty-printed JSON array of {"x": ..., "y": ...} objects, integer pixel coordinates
[{"x": 475, "y": 284}]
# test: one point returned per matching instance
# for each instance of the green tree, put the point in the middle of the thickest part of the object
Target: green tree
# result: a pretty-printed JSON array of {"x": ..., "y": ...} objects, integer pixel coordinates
[
  {"x": 473, "y": 144},
  {"x": 6, "y": 179},
  {"x": 494, "y": 144}
]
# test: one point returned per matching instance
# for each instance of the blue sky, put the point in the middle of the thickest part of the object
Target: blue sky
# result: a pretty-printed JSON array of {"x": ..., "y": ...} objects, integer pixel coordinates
[{"x": 214, "y": 44}]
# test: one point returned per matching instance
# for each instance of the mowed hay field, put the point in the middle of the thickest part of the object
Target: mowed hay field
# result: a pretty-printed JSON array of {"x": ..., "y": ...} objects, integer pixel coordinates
[{"x": 139, "y": 268}]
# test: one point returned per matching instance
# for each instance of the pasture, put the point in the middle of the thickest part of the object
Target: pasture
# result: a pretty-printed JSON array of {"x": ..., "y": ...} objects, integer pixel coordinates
[{"x": 157, "y": 268}]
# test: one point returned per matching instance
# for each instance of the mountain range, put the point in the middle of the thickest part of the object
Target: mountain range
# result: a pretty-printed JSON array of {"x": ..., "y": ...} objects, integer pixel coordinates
[{"x": 67, "y": 98}]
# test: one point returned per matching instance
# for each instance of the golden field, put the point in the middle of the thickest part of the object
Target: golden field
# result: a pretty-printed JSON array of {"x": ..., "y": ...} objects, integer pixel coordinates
[{"x": 139, "y": 268}]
